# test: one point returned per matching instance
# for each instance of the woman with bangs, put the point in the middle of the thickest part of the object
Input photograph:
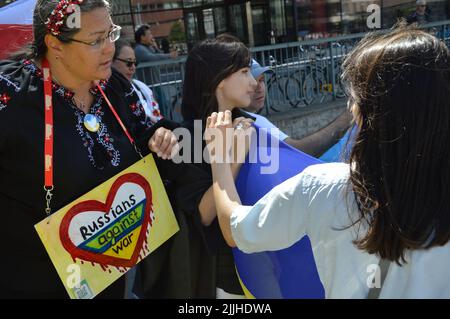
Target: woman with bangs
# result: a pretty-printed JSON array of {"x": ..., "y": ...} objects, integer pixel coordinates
[{"x": 217, "y": 78}]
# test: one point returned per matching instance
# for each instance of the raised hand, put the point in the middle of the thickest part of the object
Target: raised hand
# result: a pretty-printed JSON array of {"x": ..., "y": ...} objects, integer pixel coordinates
[
  {"x": 164, "y": 143},
  {"x": 219, "y": 136}
]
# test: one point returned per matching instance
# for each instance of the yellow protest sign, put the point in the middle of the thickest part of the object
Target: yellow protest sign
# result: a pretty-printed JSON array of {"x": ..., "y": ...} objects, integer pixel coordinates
[{"x": 101, "y": 235}]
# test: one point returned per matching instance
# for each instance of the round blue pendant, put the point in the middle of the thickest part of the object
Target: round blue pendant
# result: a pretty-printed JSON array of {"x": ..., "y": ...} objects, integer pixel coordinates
[{"x": 91, "y": 122}]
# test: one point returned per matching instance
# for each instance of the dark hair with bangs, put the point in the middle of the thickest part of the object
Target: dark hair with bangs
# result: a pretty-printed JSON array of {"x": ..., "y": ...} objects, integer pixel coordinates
[
  {"x": 119, "y": 45},
  {"x": 140, "y": 32},
  {"x": 208, "y": 63},
  {"x": 399, "y": 165}
]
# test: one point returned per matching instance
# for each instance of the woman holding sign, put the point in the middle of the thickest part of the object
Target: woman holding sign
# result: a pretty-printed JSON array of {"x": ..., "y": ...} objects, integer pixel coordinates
[
  {"x": 91, "y": 128},
  {"x": 381, "y": 221}
]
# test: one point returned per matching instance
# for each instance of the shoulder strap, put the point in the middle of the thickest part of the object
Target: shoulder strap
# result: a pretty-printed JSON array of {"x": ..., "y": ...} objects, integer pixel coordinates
[{"x": 374, "y": 292}]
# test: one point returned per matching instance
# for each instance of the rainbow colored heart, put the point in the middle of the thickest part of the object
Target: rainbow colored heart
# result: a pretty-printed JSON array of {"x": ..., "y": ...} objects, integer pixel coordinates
[{"x": 112, "y": 233}]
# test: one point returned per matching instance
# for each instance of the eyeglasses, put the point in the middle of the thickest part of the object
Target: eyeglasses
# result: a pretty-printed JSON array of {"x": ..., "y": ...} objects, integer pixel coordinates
[
  {"x": 98, "y": 44},
  {"x": 129, "y": 63}
]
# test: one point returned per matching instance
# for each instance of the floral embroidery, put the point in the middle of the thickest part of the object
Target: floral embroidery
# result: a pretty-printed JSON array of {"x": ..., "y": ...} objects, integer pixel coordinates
[
  {"x": 58, "y": 89},
  {"x": 133, "y": 107},
  {"x": 103, "y": 139},
  {"x": 88, "y": 142},
  {"x": 6, "y": 78},
  {"x": 156, "y": 113},
  {"x": 137, "y": 109},
  {"x": 95, "y": 89},
  {"x": 131, "y": 93},
  {"x": 4, "y": 99}
]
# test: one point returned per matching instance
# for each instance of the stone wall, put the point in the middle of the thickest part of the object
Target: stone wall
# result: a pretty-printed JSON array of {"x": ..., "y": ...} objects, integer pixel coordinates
[{"x": 298, "y": 123}]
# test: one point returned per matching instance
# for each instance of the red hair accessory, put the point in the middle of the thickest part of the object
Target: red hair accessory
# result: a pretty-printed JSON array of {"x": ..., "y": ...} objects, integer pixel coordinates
[{"x": 59, "y": 14}]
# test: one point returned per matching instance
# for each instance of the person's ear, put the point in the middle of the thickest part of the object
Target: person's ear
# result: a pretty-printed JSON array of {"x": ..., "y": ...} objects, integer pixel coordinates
[
  {"x": 143, "y": 35},
  {"x": 221, "y": 84},
  {"x": 219, "y": 92},
  {"x": 54, "y": 46}
]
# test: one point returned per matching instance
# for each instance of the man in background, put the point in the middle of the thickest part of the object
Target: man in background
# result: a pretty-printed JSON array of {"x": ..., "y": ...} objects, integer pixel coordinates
[
  {"x": 421, "y": 15},
  {"x": 146, "y": 50},
  {"x": 315, "y": 144}
]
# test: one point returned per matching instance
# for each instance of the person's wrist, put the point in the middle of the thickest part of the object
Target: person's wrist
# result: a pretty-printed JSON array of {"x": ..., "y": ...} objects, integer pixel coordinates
[
  {"x": 220, "y": 170},
  {"x": 220, "y": 165},
  {"x": 235, "y": 168}
]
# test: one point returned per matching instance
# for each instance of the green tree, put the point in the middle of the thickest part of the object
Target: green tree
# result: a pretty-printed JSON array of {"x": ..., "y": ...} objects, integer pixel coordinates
[{"x": 177, "y": 34}]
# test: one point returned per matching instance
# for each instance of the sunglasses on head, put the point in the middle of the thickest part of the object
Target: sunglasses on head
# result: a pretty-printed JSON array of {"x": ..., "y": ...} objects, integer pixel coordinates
[{"x": 129, "y": 63}]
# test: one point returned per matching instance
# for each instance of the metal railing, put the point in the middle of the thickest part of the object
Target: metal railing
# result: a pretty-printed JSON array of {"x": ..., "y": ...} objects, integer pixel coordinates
[{"x": 304, "y": 73}]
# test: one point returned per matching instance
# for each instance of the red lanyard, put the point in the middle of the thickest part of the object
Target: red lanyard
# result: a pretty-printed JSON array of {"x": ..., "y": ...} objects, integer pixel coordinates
[
  {"x": 48, "y": 145},
  {"x": 113, "y": 110}
]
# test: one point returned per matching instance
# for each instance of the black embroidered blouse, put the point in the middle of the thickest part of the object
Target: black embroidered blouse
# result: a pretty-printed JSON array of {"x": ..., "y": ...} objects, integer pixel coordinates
[{"x": 82, "y": 160}]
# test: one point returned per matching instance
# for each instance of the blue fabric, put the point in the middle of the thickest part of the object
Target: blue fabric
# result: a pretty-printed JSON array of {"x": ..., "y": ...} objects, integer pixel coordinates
[
  {"x": 287, "y": 273},
  {"x": 341, "y": 150}
]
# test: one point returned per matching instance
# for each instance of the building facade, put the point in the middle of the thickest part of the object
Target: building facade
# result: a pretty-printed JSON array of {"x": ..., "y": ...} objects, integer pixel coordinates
[
  {"x": 264, "y": 22},
  {"x": 259, "y": 22}
]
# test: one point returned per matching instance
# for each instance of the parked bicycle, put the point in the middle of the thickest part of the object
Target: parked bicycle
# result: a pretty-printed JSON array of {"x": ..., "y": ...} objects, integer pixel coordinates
[{"x": 308, "y": 79}]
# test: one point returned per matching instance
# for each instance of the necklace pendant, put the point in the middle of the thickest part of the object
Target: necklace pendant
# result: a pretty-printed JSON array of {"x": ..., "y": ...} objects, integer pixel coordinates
[{"x": 91, "y": 122}]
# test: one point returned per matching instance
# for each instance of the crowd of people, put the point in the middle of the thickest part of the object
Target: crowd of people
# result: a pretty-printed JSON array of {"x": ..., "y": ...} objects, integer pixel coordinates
[{"x": 389, "y": 205}]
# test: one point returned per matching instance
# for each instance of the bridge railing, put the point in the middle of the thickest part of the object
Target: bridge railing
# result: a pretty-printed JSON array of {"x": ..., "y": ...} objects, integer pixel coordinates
[{"x": 305, "y": 73}]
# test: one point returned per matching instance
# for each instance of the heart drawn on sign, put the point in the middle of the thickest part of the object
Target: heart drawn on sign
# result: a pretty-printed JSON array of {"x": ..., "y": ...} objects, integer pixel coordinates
[{"x": 112, "y": 233}]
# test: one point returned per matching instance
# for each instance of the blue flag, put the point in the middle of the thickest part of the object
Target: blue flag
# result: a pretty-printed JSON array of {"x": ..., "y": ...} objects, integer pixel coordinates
[
  {"x": 341, "y": 150},
  {"x": 287, "y": 273}
]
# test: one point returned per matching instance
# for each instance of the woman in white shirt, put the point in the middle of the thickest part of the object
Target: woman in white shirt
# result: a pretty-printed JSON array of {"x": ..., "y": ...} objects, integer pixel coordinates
[
  {"x": 391, "y": 204},
  {"x": 125, "y": 62}
]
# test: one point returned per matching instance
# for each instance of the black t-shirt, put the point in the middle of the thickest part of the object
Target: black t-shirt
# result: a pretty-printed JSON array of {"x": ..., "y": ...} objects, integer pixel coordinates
[{"x": 82, "y": 160}]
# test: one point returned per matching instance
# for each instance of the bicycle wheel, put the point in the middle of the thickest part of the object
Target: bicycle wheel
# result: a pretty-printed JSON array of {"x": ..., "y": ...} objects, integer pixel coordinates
[
  {"x": 339, "y": 86},
  {"x": 293, "y": 88},
  {"x": 275, "y": 93},
  {"x": 313, "y": 88}
]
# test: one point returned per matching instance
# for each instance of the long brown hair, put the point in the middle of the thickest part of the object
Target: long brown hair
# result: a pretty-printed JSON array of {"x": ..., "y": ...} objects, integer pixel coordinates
[{"x": 400, "y": 162}]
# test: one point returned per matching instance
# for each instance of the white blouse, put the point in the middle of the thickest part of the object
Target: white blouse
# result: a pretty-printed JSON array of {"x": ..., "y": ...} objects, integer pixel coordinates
[{"x": 315, "y": 203}]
